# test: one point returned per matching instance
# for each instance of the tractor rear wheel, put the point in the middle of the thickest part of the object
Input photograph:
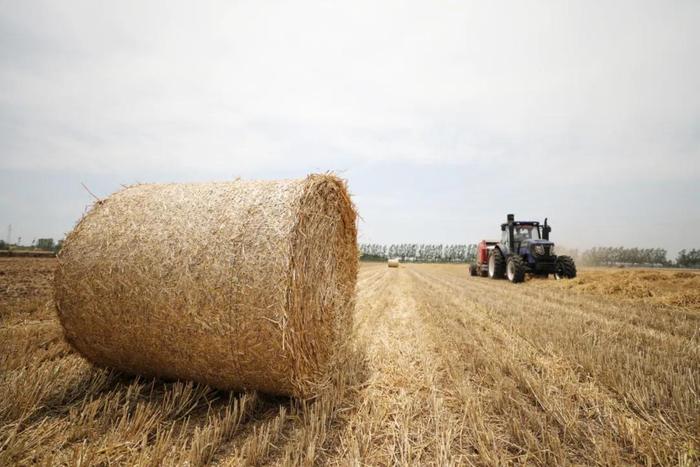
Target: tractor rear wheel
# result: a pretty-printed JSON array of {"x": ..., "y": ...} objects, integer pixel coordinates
[
  {"x": 565, "y": 268},
  {"x": 497, "y": 264},
  {"x": 472, "y": 269},
  {"x": 515, "y": 269}
]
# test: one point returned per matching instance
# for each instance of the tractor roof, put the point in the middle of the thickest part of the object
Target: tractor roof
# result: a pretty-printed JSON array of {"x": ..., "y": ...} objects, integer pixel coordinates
[{"x": 522, "y": 223}]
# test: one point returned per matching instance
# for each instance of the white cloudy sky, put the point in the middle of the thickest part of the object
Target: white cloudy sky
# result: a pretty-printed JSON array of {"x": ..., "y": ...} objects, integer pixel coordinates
[{"x": 443, "y": 115}]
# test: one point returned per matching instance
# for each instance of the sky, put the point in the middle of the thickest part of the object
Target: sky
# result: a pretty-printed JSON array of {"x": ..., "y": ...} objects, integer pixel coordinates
[{"x": 443, "y": 116}]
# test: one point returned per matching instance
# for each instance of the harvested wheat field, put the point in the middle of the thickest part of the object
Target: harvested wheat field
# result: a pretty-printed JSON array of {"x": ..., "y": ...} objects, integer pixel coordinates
[{"x": 446, "y": 369}]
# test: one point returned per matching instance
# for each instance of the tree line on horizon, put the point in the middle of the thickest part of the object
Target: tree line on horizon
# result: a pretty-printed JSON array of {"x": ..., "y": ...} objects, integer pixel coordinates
[
  {"x": 43, "y": 244},
  {"x": 611, "y": 256},
  {"x": 419, "y": 252},
  {"x": 464, "y": 253}
]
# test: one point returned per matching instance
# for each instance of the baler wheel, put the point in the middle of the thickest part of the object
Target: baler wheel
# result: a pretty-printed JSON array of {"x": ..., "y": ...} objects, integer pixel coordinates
[{"x": 497, "y": 264}]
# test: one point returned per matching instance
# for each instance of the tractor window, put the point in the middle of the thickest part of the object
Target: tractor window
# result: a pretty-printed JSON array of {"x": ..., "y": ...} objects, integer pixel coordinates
[{"x": 526, "y": 232}]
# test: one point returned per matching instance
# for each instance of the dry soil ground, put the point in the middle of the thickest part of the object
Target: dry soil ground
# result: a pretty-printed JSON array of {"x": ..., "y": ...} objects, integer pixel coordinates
[{"x": 448, "y": 369}]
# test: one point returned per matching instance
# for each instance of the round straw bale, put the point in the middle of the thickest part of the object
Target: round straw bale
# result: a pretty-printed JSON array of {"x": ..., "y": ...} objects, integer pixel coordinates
[
  {"x": 393, "y": 263},
  {"x": 239, "y": 285}
]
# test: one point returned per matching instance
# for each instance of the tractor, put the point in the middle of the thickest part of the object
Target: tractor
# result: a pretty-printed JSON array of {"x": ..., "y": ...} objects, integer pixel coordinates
[{"x": 524, "y": 249}]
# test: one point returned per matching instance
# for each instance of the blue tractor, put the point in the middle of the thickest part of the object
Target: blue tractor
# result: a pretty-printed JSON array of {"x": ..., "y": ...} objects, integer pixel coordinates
[{"x": 525, "y": 249}]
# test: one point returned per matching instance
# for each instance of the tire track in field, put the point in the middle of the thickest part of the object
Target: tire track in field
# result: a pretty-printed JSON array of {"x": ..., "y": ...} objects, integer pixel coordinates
[
  {"x": 652, "y": 322},
  {"x": 515, "y": 381},
  {"x": 641, "y": 348},
  {"x": 401, "y": 417},
  {"x": 675, "y": 350},
  {"x": 658, "y": 320},
  {"x": 497, "y": 305},
  {"x": 655, "y": 376}
]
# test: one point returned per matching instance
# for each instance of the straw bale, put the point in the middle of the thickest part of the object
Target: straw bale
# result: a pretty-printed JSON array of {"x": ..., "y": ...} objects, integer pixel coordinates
[
  {"x": 240, "y": 285},
  {"x": 393, "y": 263}
]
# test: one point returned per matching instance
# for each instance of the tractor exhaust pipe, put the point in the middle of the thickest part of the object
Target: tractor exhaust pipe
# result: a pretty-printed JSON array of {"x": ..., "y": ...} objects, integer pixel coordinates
[
  {"x": 511, "y": 236},
  {"x": 545, "y": 230}
]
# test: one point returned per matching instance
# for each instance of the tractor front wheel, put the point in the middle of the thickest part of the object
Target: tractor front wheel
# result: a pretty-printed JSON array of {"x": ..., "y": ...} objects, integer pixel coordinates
[
  {"x": 565, "y": 268},
  {"x": 472, "y": 269},
  {"x": 497, "y": 264},
  {"x": 515, "y": 269}
]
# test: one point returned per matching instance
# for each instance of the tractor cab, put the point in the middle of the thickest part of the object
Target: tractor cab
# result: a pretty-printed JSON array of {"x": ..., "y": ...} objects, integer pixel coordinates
[
  {"x": 522, "y": 231},
  {"x": 527, "y": 239}
]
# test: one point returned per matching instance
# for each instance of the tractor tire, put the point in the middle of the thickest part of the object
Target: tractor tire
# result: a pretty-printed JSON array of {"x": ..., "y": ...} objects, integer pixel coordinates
[
  {"x": 497, "y": 264},
  {"x": 515, "y": 269},
  {"x": 472, "y": 269},
  {"x": 565, "y": 268},
  {"x": 483, "y": 273}
]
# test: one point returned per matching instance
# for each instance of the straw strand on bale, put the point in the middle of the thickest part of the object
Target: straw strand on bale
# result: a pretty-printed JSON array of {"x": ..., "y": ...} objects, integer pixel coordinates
[{"x": 240, "y": 285}]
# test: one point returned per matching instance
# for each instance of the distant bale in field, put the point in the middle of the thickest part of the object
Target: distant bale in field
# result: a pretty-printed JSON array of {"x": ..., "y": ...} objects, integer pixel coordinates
[
  {"x": 239, "y": 285},
  {"x": 393, "y": 263}
]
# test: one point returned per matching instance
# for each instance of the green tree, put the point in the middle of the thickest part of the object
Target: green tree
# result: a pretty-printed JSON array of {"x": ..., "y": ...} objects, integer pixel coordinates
[
  {"x": 45, "y": 244},
  {"x": 688, "y": 259}
]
